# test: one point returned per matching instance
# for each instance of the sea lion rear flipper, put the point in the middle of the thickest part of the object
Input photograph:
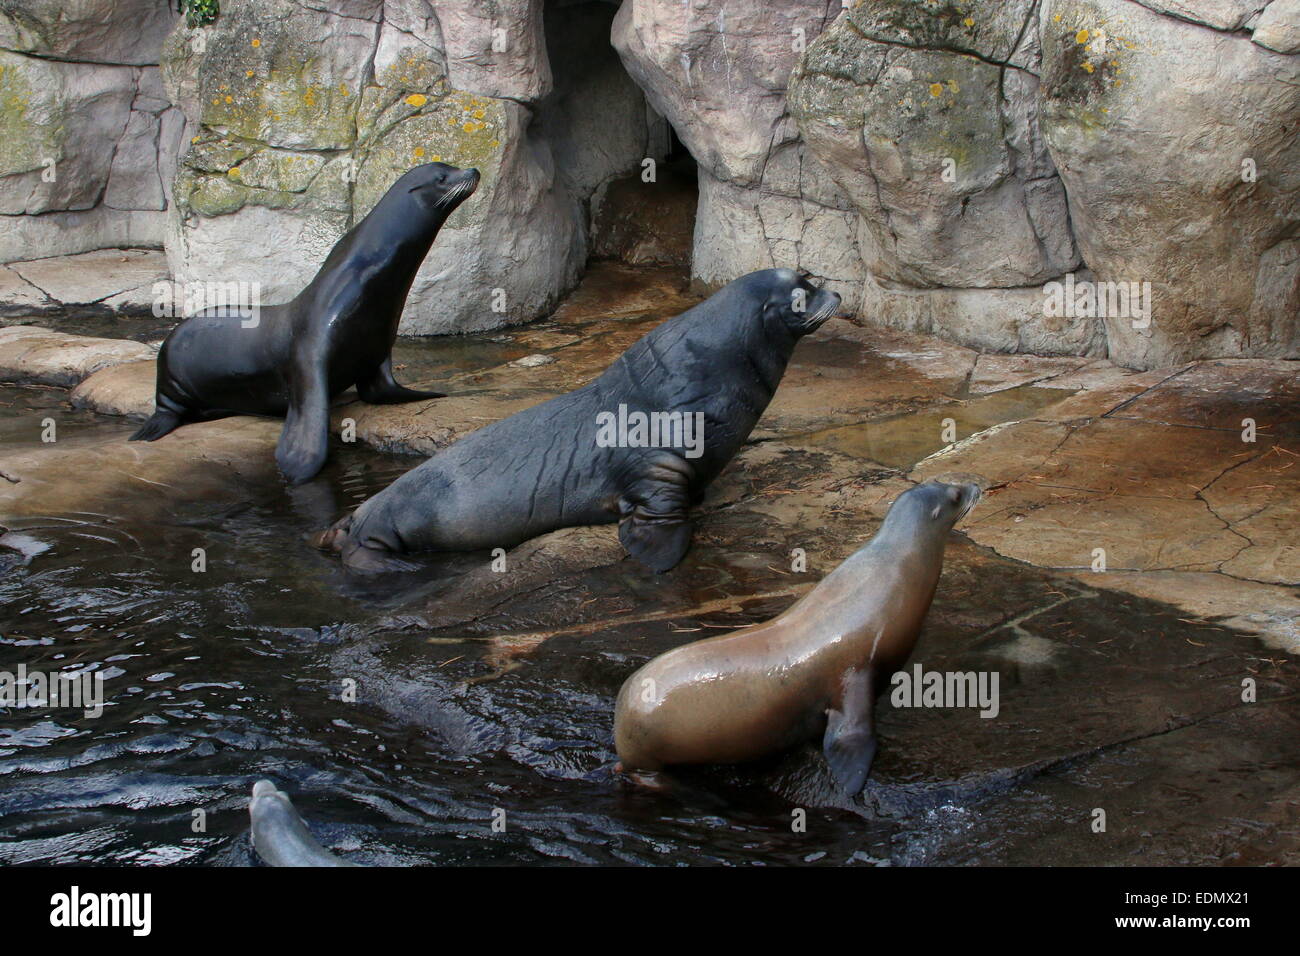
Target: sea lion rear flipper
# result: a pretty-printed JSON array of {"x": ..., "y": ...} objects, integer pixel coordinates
[
  {"x": 382, "y": 389},
  {"x": 304, "y": 441},
  {"x": 850, "y": 741},
  {"x": 280, "y": 836},
  {"x": 167, "y": 417},
  {"x": 161, "y": 423},
  {"x": 655, "y": 529}
]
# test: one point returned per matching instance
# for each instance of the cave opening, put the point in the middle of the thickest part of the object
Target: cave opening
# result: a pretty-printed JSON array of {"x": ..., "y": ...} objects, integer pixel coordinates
[{"x": 633, "y": 183}]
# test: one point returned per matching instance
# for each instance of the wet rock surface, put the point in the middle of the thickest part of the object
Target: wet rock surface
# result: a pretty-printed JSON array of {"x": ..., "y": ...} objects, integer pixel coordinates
[
  {"x": 481, "y": 687},
  {"x": 30, "y": 354},
  {"x": 103, "y": 283}
]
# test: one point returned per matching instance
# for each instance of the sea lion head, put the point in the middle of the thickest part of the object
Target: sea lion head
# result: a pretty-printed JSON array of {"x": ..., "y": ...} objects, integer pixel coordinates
[
  {"x": 438, "y": 187},
  {"x": 932, "y": 507},
  {"x": 793, "y": 301}
]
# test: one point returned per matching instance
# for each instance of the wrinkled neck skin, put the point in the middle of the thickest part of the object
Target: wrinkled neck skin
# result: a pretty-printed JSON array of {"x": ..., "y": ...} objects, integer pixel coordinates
[
  {"x": 725, "y": 340},
  {"x": 781, "y": 340}
]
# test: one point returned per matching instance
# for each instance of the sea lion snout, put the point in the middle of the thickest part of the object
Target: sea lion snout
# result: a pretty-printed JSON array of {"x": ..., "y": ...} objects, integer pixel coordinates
[
  {"x": 935, "y": 506},
  {"x": 823, "y": 305},
  {"x": 970, "y": 497},
  {"x": 801, "y": 306},
  {"x": 443, "y": 186}
]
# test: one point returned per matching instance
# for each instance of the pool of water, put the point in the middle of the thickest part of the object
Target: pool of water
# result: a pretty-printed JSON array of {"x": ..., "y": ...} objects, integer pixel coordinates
[
  {"x": 217, "y": 678},
  {"x": 404, "y": 733},
  {"x": 900, "y": 441}
]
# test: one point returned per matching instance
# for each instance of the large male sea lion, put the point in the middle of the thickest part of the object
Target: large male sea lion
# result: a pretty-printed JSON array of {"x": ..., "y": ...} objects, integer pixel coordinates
[
  {"x": 338, "y": 332},
  {"x": 812, "y": 671},
  {"x": 704, "y": 377}
]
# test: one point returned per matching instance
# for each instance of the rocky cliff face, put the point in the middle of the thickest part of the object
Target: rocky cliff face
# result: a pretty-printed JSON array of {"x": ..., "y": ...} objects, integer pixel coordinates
[
  {"x": 87, "y": 135},
  {"x": 991, "y": 147},
  {"x": 717, "y": 70},
  {"x": 938, "y": 162},
  {"x": 304, "y": 116}
]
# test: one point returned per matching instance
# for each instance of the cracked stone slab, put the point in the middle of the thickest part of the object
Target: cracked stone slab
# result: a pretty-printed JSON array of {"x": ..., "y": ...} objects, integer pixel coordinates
[
  {"x": 18, "y": 295},
  {"x": 1063, "y": 528},
  {"x": 1224, "y": 394},
  {"x": 125, "y": 276},
  {"x": 845, "y": 373},
  {"x": 29, "y": 354},
  {"x": 1163, "y": 482},
  {"x": 993, "y": 373}
]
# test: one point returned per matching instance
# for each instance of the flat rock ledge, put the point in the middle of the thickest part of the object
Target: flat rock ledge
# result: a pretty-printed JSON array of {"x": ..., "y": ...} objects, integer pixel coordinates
[{"x": 1179, "y": 484}]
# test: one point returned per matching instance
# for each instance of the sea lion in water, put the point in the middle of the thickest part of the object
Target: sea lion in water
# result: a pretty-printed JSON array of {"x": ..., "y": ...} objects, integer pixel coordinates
[
  {"x": 280, "y": 836},
  {"x": 716, "y": 365},
  {"x": 336, "y": 333},
  {"x": 812, "y": 671}
]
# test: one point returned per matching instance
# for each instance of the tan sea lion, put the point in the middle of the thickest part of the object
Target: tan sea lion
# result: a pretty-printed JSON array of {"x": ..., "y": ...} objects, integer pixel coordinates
[{"x": 814, "y": 670}]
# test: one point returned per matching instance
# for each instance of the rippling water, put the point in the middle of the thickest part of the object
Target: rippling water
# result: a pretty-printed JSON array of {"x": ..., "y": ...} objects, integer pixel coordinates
[{"x": 216, "y": 679}]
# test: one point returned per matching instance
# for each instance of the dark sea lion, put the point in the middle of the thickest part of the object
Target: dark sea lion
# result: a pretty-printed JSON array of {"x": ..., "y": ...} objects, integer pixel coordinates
[
  {"x": 336, "y": 333},
  {"x": 813, "y": 671},
  {"x": 280, "y": 836},
  {"x": 548, "y": 467}
]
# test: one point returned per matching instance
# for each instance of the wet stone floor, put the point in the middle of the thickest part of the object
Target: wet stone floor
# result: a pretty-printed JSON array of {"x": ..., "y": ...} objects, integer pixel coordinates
[{"x": 1121, "y": 690}]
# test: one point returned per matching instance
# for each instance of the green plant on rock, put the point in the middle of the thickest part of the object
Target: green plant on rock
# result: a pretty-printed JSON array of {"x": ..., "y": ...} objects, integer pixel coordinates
[{"x": 198, "y": 12}]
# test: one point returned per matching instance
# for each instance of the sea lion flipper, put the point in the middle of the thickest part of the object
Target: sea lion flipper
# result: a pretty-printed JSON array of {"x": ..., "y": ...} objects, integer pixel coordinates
[
  {"x": 658, "y": 543},
  {"x": 850, "y": 741},
  {"x": 304, "y": 440},
  {"x": 162, "y": 422},
  {"x": 167, "y": 417},
  {"x": 382, "y": 389},
  {"x": 655, "y": 529}
]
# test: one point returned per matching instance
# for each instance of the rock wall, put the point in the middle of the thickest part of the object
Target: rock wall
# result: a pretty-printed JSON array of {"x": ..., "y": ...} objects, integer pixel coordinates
[
  {"x": 86, "y": 131},
  {"x": 304, "y": 116},
  {"x": 717, "y": 71},
  {"x": 937, "y": 162},
  {"x": 991, "y": 146}
]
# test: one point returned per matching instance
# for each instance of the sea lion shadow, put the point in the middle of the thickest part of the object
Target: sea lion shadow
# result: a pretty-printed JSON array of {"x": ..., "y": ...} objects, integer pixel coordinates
[{"x": 425, "y": 578}]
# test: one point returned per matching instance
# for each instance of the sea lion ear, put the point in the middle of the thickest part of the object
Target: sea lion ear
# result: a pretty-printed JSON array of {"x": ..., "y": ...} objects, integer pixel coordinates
[{"x": 954, "y": 494}]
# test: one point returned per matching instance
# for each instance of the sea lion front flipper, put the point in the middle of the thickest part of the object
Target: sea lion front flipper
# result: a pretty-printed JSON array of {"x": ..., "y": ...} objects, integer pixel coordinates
[
  {"x": 654, "y": 528},
  {"x": 280, "y": 836},
  {"x": 304, "y": 440},
  {"x": 382, "y": 389},
  {"x": 850, "y": 741}
]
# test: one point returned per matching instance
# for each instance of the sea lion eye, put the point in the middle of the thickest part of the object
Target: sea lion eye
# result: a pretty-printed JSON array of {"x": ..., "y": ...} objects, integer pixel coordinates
[{"x": 954, "y": 494}]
